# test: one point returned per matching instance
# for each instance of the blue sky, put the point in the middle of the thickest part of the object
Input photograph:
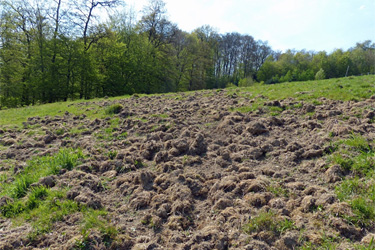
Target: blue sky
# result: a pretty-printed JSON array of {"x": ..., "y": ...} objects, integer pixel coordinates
[{"x": 285, "y": 24}]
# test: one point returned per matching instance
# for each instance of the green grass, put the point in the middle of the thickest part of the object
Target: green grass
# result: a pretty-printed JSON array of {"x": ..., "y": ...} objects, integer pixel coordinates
[
  {"x": 278, "y": 190},
  {"x": 3, "y": 177},
  {"x": 268, "y": 221},
  {"x": 36, "y": 195},
  {"x": 107, "y": 133},
  {"x": 16, "y": 116},
  {"x": 357, "y": 143},
  {"x": 357, "y": 157},
  {"x": 77, "y": 130},
  {"x": 112, "y": 154},
  {"x": 327, "y": 243},
  {"x": 274, "y": 111},
  {"x": 354, "y": 154},
  {"x": 41, "y": 206},
  {"x": 54, "y": 207},
  {"x": 354, "y": 88},
  {"x": 160, "y": 115},
  {"x": 113, "y": 109},
  {"x": 59, "y": 131},
  {"x": 371, "y": 246},
  {"x": 97, "y": 220},
  {"x": 40, "y": 167},
  {"x": 360, "y": 194}
]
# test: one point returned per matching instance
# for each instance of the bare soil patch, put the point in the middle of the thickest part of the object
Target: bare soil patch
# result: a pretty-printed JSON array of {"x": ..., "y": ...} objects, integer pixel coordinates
[{"x": 186, "y": 172}]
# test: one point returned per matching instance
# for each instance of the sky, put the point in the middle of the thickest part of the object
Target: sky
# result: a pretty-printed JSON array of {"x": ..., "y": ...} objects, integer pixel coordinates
[{"x": 314, "y": 25}]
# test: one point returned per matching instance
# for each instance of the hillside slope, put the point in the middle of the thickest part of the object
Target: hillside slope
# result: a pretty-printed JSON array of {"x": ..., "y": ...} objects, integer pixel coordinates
[{"x": 217, "y": 169}]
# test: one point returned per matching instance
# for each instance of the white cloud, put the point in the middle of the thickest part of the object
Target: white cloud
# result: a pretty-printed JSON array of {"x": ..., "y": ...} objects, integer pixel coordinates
[{"x": 362, "y": 7}]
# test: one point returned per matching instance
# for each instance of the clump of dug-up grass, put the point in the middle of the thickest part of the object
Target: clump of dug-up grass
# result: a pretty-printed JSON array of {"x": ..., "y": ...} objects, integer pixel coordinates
[
  {"x": 268, "y": 221},
  {"x": 113, "y": 109}
]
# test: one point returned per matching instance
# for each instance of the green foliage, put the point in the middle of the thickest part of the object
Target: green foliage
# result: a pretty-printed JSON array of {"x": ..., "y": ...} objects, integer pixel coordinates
[
  {"x": 274, "y": 111},
  {"x": 349, "y": 188},
  {"x": 360, "y": 194},
  {"x": 41, "y": 63},
  {"x": 264, "y": 221},
  {"x": 12, "y": 209},
  {"x": 268, "y": 221},
  {"x": 95, "y": 220},
  {"x": 110, "y": 133},
  {"x": 344, "y": 161},
  {"x": 246, "y": 82},
  {"x": 230, "y": 85},
  {"x": 112, "y": 154},
  {"x": 364, "y": 209},
  {"x": 285, "y": 225},
  {"x": 327, "y": 243},
  {"x": 356, "y": 155},
  {"x": 43, "y": 207},
  {"x": 60, "y": 131},
  {"x": 35, "y": 196},
  {"x": 98, "y": 219},
  {"x": 39, "y": 199},
  {"x": 315, "y": 90},
  {"x": 54, "y": 207},
  {"x": 21, "y": 185},
  {"x": 41, "y": 167},
  {"x": 316, "y": 102},
  {"x": 289, "y": 77},
  {"x": 113, "y": 109},
  {"x": 358, "y": 143},
  {"x": 278, "y": 190},
  {"x": 65, "y": 159},
  {"x": 320, "y": 75},
  {"x": 15, "y": 117},
  {"x": 304, "y": 66}
]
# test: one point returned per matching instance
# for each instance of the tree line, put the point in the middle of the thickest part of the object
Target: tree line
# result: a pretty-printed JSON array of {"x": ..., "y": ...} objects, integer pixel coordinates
[
  {"x": 307, "y": 65},
  {"x": 58, "y": 50}
]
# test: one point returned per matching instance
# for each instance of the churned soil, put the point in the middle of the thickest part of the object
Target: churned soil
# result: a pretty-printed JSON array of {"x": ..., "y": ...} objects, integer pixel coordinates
[{"x": 188, "y": 171}]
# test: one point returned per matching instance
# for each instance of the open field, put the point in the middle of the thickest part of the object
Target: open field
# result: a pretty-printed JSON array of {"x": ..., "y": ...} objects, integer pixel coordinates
[{"x": 288, "y": 166}]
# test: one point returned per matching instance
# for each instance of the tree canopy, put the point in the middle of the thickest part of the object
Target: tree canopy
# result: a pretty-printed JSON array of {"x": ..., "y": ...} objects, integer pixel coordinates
[{"x": 58, "y": 50}]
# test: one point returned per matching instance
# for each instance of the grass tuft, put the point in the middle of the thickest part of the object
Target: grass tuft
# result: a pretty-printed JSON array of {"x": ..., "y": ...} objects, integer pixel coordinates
[
  {"x": 354, "y": 154},
  {"x": 20, "y": 186},
  {"x": 113, "y": 109},
  {"x": 41, "y": 167},
  {"x": 35, "y": 197},
  {"x": 268, "y": 221}
]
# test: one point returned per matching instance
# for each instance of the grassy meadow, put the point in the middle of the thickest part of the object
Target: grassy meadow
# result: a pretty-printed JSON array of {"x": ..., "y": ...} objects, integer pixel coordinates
[{"x": 345, "y": 89}]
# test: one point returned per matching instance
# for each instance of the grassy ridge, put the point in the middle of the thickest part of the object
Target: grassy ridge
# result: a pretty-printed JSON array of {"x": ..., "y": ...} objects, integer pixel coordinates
[
  {"x": 345, "y": 89},
  {"x": 349, "y": 88},
  {"x": 15, "y": 117}
]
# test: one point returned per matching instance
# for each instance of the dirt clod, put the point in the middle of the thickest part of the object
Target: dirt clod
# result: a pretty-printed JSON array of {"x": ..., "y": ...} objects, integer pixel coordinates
[{"x": 188, "y": 171}]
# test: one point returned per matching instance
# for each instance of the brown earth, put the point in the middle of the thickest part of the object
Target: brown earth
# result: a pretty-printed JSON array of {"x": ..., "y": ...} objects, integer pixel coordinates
[{"x": 191, "y": 173}]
